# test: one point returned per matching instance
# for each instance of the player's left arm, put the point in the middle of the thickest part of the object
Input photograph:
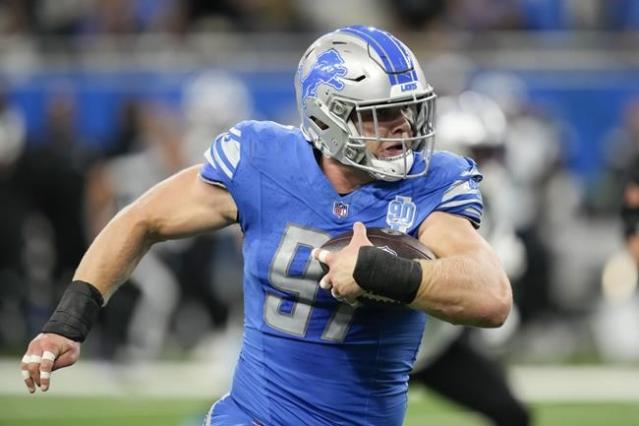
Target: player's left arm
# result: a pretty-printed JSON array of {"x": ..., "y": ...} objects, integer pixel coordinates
[{"x": 466, "y": 283}]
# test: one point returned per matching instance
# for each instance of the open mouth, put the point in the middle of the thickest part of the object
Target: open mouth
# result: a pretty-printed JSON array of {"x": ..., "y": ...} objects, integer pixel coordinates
[{"x": 391, "y": 151}]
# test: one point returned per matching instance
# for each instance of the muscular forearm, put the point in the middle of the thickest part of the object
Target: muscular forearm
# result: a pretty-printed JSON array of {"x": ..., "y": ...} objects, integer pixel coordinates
[
  {"x": 116, "y": 251},
  {"x": 469, "y": 289}
]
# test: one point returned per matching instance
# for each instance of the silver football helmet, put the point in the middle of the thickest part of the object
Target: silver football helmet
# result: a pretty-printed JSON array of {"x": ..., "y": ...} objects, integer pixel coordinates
[
  {"x": 359, "y": 75},
  {"x": 470, "y": 121}
]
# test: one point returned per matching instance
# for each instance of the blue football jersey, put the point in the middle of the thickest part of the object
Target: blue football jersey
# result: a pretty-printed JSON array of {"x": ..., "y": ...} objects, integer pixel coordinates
[{"x": 306, "y": 358}]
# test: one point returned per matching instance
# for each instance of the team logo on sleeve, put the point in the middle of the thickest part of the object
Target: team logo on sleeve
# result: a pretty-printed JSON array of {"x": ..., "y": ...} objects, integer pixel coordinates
[
  {"x": 328, "y": 69},
  {"x": 401, "y": 213},
  {"x": 340, "y": 209}
]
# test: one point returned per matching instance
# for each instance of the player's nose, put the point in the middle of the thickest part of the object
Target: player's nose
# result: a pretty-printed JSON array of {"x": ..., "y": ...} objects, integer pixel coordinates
[{"x": 400, "y": 127}]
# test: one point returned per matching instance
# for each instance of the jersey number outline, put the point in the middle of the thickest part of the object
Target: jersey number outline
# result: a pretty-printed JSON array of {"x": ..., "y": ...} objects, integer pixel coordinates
[{"x": 304, "y": 287}]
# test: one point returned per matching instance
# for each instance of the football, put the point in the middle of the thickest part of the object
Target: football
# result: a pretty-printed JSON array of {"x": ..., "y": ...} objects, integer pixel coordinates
[{"x": 394, "y": 242}]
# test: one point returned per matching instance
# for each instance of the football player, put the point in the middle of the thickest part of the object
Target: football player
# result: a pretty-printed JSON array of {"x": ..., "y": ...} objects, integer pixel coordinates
[
  {"x": 450, "y": 361},
  {"x": 630, "y": 212},
  {"x": 362, "y": 158}
]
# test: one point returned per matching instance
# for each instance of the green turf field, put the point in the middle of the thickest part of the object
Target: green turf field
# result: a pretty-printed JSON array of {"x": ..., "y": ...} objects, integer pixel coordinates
[{"x": 51, "y": 410}]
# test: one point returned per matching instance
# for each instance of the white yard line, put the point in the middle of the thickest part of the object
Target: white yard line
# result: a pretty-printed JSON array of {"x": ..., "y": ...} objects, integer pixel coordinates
[
  {"x": 158, "y": 379},
  {"x": 582, "y": 383},
  {"x": 199, "y": 380}
]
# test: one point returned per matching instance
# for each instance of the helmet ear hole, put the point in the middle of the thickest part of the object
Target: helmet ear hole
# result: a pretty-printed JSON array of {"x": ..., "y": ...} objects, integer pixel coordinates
[
  {"x": 354, "y": 154},
  {"x": 319, "y": 123},
  {"x": 341, "y": 109}
]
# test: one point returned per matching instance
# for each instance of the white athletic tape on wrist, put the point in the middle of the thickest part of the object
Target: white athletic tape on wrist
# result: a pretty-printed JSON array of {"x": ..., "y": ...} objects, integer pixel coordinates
[
  {"x": 26, "y": 358},
  {"x": 25, "y": 374},
  {"x": 48, "y": 355},
  {"x": 45, "y": 375}
]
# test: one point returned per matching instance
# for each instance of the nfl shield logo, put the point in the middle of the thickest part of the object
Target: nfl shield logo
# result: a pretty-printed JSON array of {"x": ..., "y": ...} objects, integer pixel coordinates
[{"x": 340, "y": 209}]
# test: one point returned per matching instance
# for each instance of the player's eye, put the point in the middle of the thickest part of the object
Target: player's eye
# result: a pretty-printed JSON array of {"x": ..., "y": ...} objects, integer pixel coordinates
[
  {"x": 385, "y": 114},
  {"x": 390, "y": 114},
  {"x": 362, "y": 116}
]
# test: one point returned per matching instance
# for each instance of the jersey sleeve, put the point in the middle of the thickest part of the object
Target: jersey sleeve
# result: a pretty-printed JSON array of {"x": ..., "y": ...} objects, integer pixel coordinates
[
  {"x": 223, "y": 157},
  {"x": 462, "y": 197}
]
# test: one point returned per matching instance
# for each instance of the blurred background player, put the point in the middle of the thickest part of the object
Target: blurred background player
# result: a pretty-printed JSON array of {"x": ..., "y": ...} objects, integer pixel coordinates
[
  {"x": 619, "y": 305},
  {"x": 630, "y": 211},
  {"x": 451, "y": 360},
  {"x": 185, "y": 289},
  {"x": 212, "y": 102},
  {"x": 13, "y": 216},
  {"x": 564, "y": 241},
  {"x": 156, "y": 153},
  {"x": 530, "y": 156}
]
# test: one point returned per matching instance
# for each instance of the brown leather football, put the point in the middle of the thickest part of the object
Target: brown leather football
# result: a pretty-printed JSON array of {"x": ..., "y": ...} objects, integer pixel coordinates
[{"x": 394, "y": 242}]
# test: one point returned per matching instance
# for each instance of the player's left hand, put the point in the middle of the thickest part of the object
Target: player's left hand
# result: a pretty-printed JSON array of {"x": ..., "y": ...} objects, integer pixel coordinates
[
  {"x": 47, "y": 352},
  {"x": 339, "y": 279}
]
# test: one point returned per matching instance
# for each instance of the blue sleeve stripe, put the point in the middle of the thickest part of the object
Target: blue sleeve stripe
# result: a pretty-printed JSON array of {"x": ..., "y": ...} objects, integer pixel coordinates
[
  {"x": 227, "y": 150},
  {"x": 472, "y": 172},
  {"x": 466, "y": 196},
  {"x": 458, "y": 188},
  {"x": 473, "y": 212},
  {"x": 220, "y": 159},
  {"x": 209, "y": 173},
  {"x": 209, "y": 158},
  {"x": 236, "y": 132},
  {"x": 464, "y": 202},
  {"x": 233, "y": 137},
  {"x": 231, "y": 149}
]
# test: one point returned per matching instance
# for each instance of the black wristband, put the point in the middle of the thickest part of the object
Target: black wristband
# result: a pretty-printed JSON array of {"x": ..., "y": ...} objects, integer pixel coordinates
[
  {"x": 77, "y": 311},
  {"x": 384, "y": 274}
]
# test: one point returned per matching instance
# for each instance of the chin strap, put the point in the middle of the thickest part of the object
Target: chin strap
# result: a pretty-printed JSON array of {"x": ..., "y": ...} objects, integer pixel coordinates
[{"x": 391, "y": 170}]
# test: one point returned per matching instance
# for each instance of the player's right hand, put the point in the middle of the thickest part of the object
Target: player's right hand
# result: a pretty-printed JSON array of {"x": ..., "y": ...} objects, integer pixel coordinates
[
  {"x": 47, "y": 352},
  {"x": 339, "y": 279}
]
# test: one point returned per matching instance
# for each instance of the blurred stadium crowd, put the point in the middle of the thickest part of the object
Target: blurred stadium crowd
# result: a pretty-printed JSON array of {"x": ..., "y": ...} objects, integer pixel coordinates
[
  {"x": 101, "y": 99},
  {"x": 77, "y": 17}
]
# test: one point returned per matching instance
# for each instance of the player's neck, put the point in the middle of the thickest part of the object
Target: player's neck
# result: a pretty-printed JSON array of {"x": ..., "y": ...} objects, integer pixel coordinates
[{"x": 344, "y": 179}]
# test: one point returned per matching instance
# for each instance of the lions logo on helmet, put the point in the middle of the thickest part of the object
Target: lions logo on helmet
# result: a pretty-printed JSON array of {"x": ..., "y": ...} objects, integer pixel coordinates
[
  {"x": 327, "y": 70},
  {"x": 365, "y": 72}
]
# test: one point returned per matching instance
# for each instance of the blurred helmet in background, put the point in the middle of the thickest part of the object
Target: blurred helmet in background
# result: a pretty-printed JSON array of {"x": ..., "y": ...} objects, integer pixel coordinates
[
  {"x": 358, "y": 73},
  {"x": 216, "y": 99},
  {"x": 213, "y": 102},
  {"x": 450, "y": 73},
  {"x": 507, "y": 89},
  {"x": 470, "y": 124},
  {"x": 533, "y": 147}
]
